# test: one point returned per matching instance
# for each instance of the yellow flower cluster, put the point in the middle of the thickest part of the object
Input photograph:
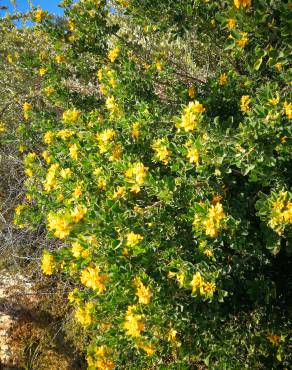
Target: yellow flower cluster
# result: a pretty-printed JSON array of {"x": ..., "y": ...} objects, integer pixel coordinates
[
  {"x": 274, "y": 338},
  {"x": 143, "y": 292},
  {"x": 162, "y": 153},
  {"x": 243, "y": 41},
  {"x": 214, "y": 217},
  {"x": 212, "y": 222},
  {"x": 83, "y": 315},
  {"x": 49, "y": 90},
  {"x": 47, "y": 263},
  {"x": 71, "y": 116},
  {"x": 113, "y": 54},
  {"x": 39, "y": 15},
  {"x": 231, "y": 23},
  {"x": 136, "y": 174},
  {"x": 59, "y": 58},
  {"x": 244, "y": 103},
  {"x": 65, "y": 173},
  {"x": 242, "y": 3},
  {"x": 2, "y": 127},
  {"x": 104, "y": 139},
  {"x": 288, "y": 109},
  {"x": 78, "y": 251},
  {"x": 59, "y": 224},
  {"x": 26, "y": 109},
  {"x": 48, "y": 137},
  {"x": 51, "y": 181},
  {"x": 222, "y": 79},
  {"x": 113, "y": 107},
  {"x": 191, "y": 92},
  {"x": 190, "y": 117},
  {"x": 119, "y": 192},
  {"x": 42, "y": 71},
  {"x": 133, "y": 239},
  {"x": 281, "y": 213},
  {"x": 192, "y": 152},
  {"x": 199, "y": 285},
  {"x": 133, "y": 322},
  {"x": 73, "y": 151},
  {"x": 78, "y": 213},
  {"x": 136, "y": 131},
  {"x": 65, "y": 134},
  {"x": 91, "y": 278},
  {"x": 100, "y": 359}
]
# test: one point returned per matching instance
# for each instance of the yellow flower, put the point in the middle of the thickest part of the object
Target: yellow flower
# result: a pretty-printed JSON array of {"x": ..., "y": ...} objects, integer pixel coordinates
[
  {"x": 100, "y": 74},
  {"x": 83, "y": 315},
  {"x": 181, "y": 279},
  {"x": 49, "y": 90},
  {"x": 46, "y": 156},
  {"x": 231, "y": 23},
  {"x": 51, "y": 182},
  {"x": 113, "y": 107},
  {"x": 19, "y": 208},
  {"x": 196, "y": 282},
  {"x": 2, "y": 127},
  {"x": 288, "y": 109},
  {"x": 65, "y": 134},
  {"x": 77, "y": 191},
  {"x": 113, "y": 54},
  {"x": 274, "y": 339},
  {"x": 158, "y": 65},
  {"x": 76, "y": 249},
  {"x": 119, "y": 192},
  {"x": 222, "y": 79},
  {"x": 243, "y": 3},
  {"x": 48, "y": 137},
  {"x": 191, "y": 92},
  {"x": 133, "y": 239},
  {"x": 133, "y": 323},
  {"x": 78, "y": 213},
  {"x": 208, "y": 253},
  {"x": 42, "y": 71},
  {"x": 244, "y": 103},
  {"x": 148, "y": 348},
  {"x": 278, "y": 66},
  {"x": 71, "y": 116},
  {"x": 243, "y": 41},
  {"x": 26, "y": 109},
  {"x": 137, "y": 173},
  {"x": 28, "y": 172},
  {"x": 91, "y": 278},
  {"x": 101, "y": 183},
  {"x": 59, "y": 58},
  {"x": 208, "y": 288},
  {"x": 59, "y": 224},
  {"x": 274, "y": 101},
  {"x": 161, "y": 151},
  {"x": 136, "y": 131},
  {"x": 39, "y": 15},
  {"x": 65, "y": 173},
  {"x": 143, "y": 293},
  {"x": 193, "y": 155},
  {"x": 73, "y": 150},
  {"x": 47, "y": 263},
  {"x": 10, "y": 58},
  {"x": 97, "y": 171},
  {"x": 190, "y": 116}
]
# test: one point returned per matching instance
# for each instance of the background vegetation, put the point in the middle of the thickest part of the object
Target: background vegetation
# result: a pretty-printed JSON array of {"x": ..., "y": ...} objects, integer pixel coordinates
[{"x": 156, "y": 147}]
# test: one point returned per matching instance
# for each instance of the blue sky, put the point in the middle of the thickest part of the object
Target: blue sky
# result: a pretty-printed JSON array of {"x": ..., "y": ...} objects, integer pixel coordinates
[{"x": 22, "y": 5}]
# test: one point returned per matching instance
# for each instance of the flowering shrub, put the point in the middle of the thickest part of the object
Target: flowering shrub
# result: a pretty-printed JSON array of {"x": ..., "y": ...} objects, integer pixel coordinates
[{"x": 162, "y": 190}]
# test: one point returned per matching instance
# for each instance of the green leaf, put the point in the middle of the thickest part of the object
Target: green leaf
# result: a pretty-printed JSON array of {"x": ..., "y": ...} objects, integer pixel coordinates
[{"x": 258, "y": 64}]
